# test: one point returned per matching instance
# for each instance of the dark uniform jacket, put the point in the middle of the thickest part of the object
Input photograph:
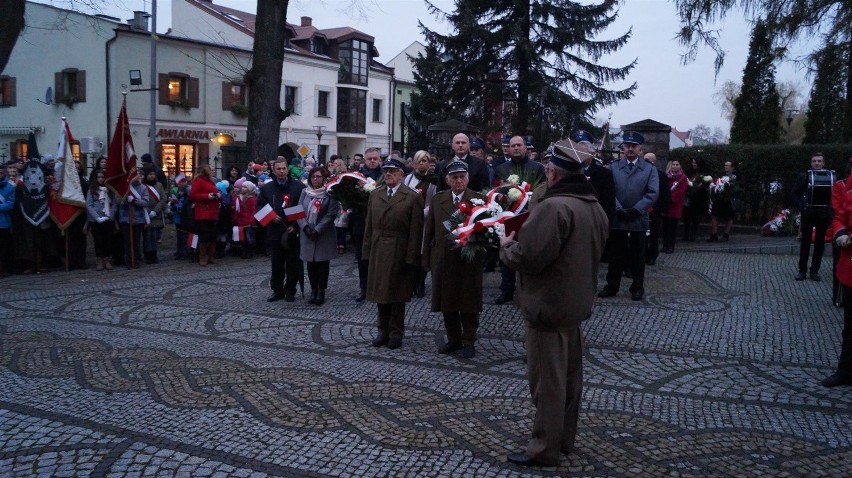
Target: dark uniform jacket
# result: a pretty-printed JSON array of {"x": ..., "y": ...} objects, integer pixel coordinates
[
  {"x": 601, "y": 179},
  {"x": 456, "y": 284},
  {"x": 525, "y": 167}
]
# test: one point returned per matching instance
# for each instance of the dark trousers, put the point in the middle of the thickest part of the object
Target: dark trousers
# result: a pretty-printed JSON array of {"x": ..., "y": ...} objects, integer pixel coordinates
[
  {"x": 507, "y": 279},
  {"x": 102, "y": 234},
  {"x": 152, "y": 238},
  {"x": 76, "y": 233},
  {"x": 811, "y": 222},
  {"x": 5, "y": 250},
  {"x": 363, "y": 266},
  {"x": 844, "y": 363},
  {"x": 691, "y": 219},
  {"x": 391, "y": 320},
  {"x": 137, "y": 243},
  {"x": 341, "y": 236},
  {"x": 627, "y": 252},
  {"x": 669, "y": 233},
  {"x": 286, "y": 265},
  {"x": 461, "y": 327},
  {"x": 652, "y": 243},
  {"x": 318, "y": 274}
]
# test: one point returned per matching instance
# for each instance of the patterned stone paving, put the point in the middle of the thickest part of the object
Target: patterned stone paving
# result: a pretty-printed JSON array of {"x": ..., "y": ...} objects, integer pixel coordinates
[{"x": 174, "y": 370}]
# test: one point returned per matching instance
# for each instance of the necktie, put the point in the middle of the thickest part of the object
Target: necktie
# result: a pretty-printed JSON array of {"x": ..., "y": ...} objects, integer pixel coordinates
[
  {"x": 630, "y": 168},
  {"x": 390, "y": 193},
  {"x": 455, "y": 200}
]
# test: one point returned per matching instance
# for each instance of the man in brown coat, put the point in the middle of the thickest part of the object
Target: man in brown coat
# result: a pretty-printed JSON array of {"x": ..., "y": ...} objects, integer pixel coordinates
[
  {"x": 456, "y": 284},
  {"x": 392, "y": 238},
  {"x": 557, "y": 252}
]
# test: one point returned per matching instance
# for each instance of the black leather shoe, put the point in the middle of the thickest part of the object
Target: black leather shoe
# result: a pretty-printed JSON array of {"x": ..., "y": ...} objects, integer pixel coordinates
[
  {"x": 449, "y": 348},
  {"x": 522, "y": 459},
  {"x": 320, "y": 297},
  {"x": 606, "y": 292},
  {"x": 468, "y": 351},
  {"x": 275, "y": 297},
  {"x": 650, "y": 261},
  {"x": 420, "y": 291},
  {"x": 379, "y": 341},
  {"x": 290, "y": 296},
  {"x": 361, "y": 297},
  {"x": 815, "y": 276},
  {"x": 836, "y": 380},
  {"x": 503, "y": 298},
  {"x": 637, "y": 294},
  {"x": 800, "y": 276},
  {"x": 313, "y": 299},
  {"x": 394, "y": 343}
]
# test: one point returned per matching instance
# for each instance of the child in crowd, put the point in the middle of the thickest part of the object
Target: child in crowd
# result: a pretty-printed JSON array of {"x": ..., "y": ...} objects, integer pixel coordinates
[
  {"x": 177, "y": 205},
  {"x": 243, "y": 210},
  {"x": 156, "y": 205}
]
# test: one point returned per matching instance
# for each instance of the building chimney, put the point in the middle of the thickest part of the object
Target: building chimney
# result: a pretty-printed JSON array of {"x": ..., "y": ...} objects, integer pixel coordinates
[
  {"x": 139, "y": 20},
  {"x": 306, "y": 21}
]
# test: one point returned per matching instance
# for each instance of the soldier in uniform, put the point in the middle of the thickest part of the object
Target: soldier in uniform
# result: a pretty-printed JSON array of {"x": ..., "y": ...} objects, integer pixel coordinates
[
  {"x": 392, "y": 238},
  {"x": 456, "y": 284}
]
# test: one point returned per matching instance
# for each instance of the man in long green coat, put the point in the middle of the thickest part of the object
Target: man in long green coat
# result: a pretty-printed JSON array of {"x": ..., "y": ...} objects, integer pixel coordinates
[
  {"x": 392, "y": 239},
  {"x": 456, "y": 284}
]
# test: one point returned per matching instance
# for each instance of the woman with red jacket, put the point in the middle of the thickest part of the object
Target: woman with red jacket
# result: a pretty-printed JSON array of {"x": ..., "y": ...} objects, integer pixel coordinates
[
  {"x": 206, "y": 197},
  {"x": 678, "y": 184},
  {"x": 841, "y": 202}
]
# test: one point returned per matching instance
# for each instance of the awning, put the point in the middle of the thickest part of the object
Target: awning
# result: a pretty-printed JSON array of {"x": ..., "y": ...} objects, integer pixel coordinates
[{"x": 20, "y": 130}]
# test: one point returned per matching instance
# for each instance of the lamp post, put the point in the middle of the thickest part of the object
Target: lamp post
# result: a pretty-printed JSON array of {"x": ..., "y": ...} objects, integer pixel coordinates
[{"x": 319, "y": 130}]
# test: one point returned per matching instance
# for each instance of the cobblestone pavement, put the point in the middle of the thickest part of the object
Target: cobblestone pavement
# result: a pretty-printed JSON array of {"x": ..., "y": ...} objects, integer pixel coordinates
[{"x": 177, "y": 370}]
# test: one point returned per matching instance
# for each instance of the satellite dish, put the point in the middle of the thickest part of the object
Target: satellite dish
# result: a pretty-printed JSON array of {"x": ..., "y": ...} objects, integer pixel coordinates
[{"x": 48, "y": 96}]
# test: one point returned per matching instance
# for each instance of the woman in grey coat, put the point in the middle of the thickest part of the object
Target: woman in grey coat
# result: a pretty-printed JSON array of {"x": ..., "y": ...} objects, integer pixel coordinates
[{"x": 318, "y": 240}]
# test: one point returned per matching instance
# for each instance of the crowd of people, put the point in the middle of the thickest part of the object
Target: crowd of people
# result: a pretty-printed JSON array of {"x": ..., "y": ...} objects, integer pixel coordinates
[{"x": 581, "y": 213}]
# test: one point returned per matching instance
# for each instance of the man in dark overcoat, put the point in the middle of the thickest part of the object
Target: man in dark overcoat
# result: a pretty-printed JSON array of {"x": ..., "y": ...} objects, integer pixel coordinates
[
  {"x": 476, "y": 167},
  {"x": 456, "y": 283},
  {"x": 282, "y": 236},
  {"x": 393, "y": 235}
]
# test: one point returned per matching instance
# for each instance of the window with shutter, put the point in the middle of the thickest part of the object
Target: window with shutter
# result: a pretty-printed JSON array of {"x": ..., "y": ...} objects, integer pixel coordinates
[{"x": 7, "y": 91}]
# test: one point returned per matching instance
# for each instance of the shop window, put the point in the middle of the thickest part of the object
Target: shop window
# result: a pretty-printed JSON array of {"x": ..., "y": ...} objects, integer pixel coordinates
[{"x": 178, "y": 158}]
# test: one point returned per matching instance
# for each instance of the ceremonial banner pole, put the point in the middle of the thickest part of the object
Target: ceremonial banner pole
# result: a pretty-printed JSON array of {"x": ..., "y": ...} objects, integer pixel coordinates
[{"x": 129, "y": 185}]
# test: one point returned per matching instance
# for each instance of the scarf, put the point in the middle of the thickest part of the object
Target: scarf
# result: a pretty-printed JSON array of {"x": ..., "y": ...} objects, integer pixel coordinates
[
  {"x": 317, "y": 197},
  {"x": 103, "y": 198},
  {"x": 431, "y": 178}
]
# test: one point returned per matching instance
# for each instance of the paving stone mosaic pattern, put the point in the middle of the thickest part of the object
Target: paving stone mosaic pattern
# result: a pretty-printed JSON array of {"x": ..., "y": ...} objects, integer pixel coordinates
[{"x": 177, "y": 370}]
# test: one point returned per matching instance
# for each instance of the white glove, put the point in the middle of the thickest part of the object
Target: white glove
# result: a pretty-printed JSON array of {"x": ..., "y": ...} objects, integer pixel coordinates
[
  {"x": 102, "y": 219},
  {"x": 152, "y": 214},
  {"x": 842, "y": 241},
  {"x": 130, "y": 199}
]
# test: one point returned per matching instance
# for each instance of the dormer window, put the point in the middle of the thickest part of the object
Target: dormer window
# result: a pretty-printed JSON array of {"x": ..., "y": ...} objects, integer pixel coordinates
[
  {"x": 354, "y": 62},
  {"x": 318, "y": 46}
]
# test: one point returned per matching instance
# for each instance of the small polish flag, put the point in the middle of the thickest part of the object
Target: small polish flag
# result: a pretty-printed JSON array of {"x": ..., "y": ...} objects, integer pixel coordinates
[
  {"x": 192, "y": 241},
  {"x": 238, "y": 234},
  {"x": 295, "y": 213},
  {"x": 180, "y": 179},
  {"x": 265, "y": 215}
]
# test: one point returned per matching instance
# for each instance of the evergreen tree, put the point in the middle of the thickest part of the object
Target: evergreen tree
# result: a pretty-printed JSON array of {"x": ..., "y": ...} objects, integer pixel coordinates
[
  {"x": 824, "y": 123},
  {"x": 758, "y": 108},
  {"x": 540, "y": 57}
]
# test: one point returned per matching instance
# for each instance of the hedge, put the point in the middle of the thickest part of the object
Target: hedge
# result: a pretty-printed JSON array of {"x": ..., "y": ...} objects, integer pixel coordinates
[{"x": 759, "y": 166}]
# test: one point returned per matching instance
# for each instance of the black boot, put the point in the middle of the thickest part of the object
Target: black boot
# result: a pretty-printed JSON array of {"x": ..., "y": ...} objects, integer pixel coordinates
[
  {"x": 321, "y": 297},
  {"x": 149, "y": 259},
  {"x": 220, "y": 250},
  {"x": 313, "y": 299}
]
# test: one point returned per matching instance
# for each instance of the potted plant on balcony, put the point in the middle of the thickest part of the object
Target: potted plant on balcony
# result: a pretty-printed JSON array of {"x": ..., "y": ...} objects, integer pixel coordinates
[
  {"x": 181, "y": 103},
  {"x": 239, "y": 110}
]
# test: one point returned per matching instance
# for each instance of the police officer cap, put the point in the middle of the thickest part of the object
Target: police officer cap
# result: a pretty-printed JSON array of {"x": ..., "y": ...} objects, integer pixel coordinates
[
  {"x": 633, "y": 137},
  {"x": 392, "y": 163},
  {"x": 582, "y": 135},
  {"x": 456, "y": 167},
  {"x": 507, "y": 138},
  {"x": 567, "y": 154},
  {"x": 528, "y": 141},
  {"x": 476, "y": 143}
]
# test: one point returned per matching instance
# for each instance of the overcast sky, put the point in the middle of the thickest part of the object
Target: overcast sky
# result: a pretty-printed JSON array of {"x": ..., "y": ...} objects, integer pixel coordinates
[{"x": 681, "y": 96}]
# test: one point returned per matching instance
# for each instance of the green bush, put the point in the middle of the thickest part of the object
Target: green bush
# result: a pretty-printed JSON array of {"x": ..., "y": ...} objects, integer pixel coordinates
[{"x": 760, "y": 165}]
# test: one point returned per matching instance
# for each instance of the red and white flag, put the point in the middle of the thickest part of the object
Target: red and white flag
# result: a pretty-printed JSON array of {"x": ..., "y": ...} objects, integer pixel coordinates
[
  {"x": 265, "y": 215},
  {"x": 238, "y": 234},
  {"x": 295, "y": 213},
  {"x": 69, "y": 201},
  {"x": 192, "y": 241},
  {"x": 121, "y": 158}
]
